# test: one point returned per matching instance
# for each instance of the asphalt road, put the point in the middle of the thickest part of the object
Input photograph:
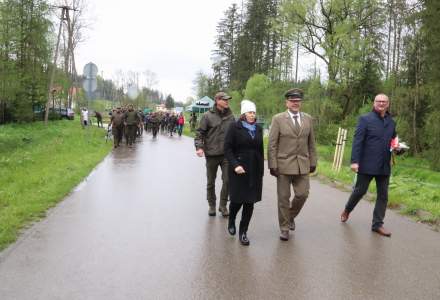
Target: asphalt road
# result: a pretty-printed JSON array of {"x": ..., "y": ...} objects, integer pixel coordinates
[{"x": 138, "y": 228}]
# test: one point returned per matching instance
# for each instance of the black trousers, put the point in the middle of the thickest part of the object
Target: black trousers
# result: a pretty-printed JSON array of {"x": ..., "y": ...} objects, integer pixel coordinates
[
  {"x": 361, "y": 187},
  {"x": 246, "y": 214}
]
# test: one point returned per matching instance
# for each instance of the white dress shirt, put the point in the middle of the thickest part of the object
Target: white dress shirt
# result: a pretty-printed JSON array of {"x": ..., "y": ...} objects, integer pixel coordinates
[{"x": 293, "y": 120}]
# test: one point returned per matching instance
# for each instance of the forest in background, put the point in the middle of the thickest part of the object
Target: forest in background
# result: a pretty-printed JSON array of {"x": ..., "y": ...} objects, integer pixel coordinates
[
  {"x": 28, "y": 38},
  {"x": 367, "y": 47}
]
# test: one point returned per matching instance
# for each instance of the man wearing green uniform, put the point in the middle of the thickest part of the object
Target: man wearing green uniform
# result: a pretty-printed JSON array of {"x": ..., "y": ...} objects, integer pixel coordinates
[
  {"x": 117, "y": 123},
  {"x": 131, "y": 121},
  {"x": 155, "y": 122},
  {"x": 209, "y": 142}
]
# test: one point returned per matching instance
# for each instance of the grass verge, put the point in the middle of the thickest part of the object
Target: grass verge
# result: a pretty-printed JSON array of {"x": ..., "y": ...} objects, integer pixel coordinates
[{"x": 40, "y": 165}]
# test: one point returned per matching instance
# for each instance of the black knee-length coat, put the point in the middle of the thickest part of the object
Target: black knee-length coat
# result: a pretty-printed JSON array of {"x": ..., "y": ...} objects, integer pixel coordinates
[{"x": 243, "y": 150}]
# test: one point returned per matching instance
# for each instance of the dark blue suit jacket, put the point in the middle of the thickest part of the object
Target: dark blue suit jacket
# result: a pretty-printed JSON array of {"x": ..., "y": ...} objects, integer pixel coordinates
[{"x": 371, "y": 144}]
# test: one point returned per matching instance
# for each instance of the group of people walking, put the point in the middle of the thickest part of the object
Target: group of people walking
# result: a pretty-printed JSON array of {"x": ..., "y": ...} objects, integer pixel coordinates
[
  {"x": 125, "y": 123},
  {"x": 236, "y": 146},
  {"x": 169, "y": 123},
  {"x": 129, "y": 123}
]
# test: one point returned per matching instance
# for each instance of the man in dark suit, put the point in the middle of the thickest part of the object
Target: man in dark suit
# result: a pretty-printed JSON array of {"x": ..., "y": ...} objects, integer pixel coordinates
[
  {"x": 291, "y": 157},
  {"x": 371, "y": 158}
]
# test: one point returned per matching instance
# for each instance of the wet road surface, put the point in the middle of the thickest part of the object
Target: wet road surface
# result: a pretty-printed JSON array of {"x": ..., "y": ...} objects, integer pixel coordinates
[{"x": 138, "y": 228}]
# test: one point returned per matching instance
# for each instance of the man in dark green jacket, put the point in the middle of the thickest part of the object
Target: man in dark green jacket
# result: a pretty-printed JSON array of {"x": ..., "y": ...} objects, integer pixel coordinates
[
  {"x": 154, "y": 122},
  {"x": 131, "y": 121},
  {"x": 209, "y": 142},
  {"x": 116, "y": 121}
]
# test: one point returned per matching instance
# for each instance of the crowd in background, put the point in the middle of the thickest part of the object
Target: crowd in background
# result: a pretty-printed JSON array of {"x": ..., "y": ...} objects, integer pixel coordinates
[{"x": 129, "y": 124}]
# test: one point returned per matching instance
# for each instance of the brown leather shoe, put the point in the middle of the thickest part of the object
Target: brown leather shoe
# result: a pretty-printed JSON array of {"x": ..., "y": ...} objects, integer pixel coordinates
[
  {"x": 344, "y": 216},
  {"x": 382, "y": 231},
  {"x": 284, "y": 235}
]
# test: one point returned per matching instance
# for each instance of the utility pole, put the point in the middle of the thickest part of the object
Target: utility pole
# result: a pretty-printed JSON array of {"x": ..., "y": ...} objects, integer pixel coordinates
[
  {"x": 70, "y": 58},
  {"x": 64, "y": 17}
]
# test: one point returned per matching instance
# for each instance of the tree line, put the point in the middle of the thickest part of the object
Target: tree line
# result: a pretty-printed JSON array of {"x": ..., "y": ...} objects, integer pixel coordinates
[
  {"x": 28, "y": 39},
  {"x": 366, "y": 46}
]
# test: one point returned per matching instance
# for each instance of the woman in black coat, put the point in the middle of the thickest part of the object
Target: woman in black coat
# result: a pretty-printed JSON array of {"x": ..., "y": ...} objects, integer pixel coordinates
[{"x": 244, "y": 152}]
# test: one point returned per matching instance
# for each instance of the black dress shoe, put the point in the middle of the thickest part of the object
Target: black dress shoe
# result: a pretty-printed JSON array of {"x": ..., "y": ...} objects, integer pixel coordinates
[
  {"x": 231, "y": 227},
  {"x": 244, "y": 240}
]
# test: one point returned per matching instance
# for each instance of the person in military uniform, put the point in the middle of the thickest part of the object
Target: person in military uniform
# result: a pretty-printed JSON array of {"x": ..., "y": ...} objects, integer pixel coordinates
[
  {"x": 209, "y": 142},
  {"x": 164, "y": 123},
  {"x": 155, "y": 123},
  {"x": 193, "y": 121},
  {"x": 172, "y": 121},
  {"x": 147, "y": 122},
  {"x": 98, "y": 116},
  {"x": 131, "y": 118},
  {"x": 117, "y": 123},
  {"x": 140, "y": 126},
  {"x": 291, "y": 157}
]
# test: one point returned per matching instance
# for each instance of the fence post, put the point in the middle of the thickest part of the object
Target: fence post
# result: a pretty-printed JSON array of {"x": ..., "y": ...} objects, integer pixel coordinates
[
  {"x": 339, "y": 151},
  {"x": 341, "y": 156},
  {"x": 335, "y": 158}
]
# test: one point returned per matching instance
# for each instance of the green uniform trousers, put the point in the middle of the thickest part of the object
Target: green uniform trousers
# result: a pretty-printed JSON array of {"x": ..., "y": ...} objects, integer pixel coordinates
[
  {"x": 131, "y": 134},
  {"x": 212, "y": 164},
  {"x": 117, "y": 135}
]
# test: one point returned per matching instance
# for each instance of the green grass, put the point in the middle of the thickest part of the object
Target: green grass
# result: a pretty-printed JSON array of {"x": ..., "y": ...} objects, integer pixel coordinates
[
  {"x": 39, "y": 166},
  {"x": 187, "y": 130}
]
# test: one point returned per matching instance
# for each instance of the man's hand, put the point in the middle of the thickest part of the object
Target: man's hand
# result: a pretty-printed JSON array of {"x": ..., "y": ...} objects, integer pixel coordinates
[
  {"x": 239, "y": 170},
  {"x": 355, "y": 167},
  {"x": 274, "y": 172},
  {"x": 200, "y": 152},
  {"x": 312, "y": 169}
]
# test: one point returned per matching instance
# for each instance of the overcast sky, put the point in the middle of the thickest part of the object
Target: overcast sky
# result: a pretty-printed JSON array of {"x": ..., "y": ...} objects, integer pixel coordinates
[{"x": 172, "y": 38}]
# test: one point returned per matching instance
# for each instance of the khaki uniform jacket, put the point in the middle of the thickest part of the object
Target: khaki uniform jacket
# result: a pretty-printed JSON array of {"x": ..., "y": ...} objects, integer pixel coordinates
[{"x": 290, "y": 152}]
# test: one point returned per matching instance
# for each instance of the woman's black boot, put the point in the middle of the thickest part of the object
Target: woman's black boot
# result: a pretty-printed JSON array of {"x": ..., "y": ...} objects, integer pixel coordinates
[
  {"x": 231, "y": 225},
  {"x": 242, "y": 234}
]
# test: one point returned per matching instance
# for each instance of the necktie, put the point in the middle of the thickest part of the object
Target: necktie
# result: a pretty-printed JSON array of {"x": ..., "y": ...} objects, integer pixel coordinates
[{"x": 296, "y": 123}]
